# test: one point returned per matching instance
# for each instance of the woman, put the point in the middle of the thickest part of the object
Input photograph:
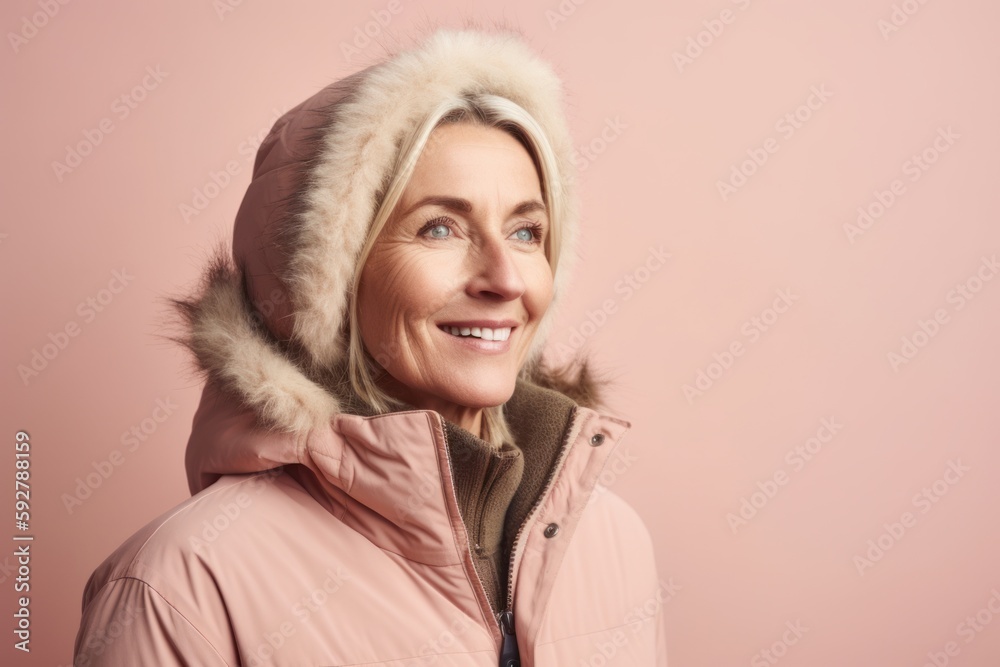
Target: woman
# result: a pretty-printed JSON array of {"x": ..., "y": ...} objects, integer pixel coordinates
[{"x": 383, "y": 470}]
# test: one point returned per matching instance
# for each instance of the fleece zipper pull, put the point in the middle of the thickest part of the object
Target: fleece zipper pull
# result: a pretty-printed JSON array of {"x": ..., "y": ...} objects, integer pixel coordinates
[{"x": 509, "y": 657}]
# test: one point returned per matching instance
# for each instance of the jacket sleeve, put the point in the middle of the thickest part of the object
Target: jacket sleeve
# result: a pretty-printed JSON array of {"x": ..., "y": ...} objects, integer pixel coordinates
[{"x": 128, "y": 622}]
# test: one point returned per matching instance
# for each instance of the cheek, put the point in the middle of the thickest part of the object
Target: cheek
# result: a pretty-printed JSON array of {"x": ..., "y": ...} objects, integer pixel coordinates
[
  {"x": 398, "y": 287},
  {"x": 539, "y": 287}
]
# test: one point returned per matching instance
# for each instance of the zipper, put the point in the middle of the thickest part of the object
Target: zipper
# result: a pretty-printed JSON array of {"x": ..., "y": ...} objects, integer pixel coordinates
[
  {"x": 454, "y": 493},
  {"x": 509, "y": 654}
]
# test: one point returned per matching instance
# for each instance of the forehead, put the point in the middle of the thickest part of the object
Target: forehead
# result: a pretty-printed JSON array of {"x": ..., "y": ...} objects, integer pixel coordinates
[{"x": 472, "y": 160}]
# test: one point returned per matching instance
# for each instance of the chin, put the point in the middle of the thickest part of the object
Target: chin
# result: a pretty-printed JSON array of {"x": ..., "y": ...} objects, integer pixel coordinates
[{"x": 482, "y": 391}]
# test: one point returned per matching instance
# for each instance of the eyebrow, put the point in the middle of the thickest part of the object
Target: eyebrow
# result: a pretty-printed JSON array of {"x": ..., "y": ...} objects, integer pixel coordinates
[{"x": 465, "y": 206}]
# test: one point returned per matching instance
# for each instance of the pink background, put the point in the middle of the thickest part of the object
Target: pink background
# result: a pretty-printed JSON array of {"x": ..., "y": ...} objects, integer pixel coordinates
[{"x": 671, "y": 133}]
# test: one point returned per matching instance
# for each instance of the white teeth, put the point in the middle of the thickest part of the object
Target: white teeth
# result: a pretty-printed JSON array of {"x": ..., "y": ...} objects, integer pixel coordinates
[{"x": 481, "y": 332}]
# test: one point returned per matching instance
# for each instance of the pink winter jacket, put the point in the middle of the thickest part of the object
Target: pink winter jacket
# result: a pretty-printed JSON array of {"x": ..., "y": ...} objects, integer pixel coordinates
[
  {"x": 321, "y": 535},
  {"x": 369, "y": 563}
]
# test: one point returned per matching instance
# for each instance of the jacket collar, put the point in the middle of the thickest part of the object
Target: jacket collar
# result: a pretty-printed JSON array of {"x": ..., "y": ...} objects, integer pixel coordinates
[
  {"x": 392, "y": 476},
  {"x": 540, "y": 420}
]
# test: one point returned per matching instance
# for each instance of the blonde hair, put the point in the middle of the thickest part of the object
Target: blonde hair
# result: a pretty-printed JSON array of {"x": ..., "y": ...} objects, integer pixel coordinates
[{"x": 479, "y": 109}]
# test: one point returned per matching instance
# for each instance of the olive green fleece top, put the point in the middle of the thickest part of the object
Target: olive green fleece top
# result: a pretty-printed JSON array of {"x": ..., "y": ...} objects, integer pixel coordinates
[{"x": 497, "y": 488}]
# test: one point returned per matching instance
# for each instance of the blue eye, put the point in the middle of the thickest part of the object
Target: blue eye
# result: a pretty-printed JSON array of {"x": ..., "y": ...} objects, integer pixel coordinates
[
  {"x": 534, "y": 230},
  {"x": 531, "y": 232},
  {"x": 433, "y": 224},
  {"x": 439, "y": 226}
]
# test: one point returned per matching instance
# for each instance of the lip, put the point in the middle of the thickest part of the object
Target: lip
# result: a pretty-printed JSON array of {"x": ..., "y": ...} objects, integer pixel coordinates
[
  {"x": 478, "y": 344},
  {"x": 489, "y": 324}
]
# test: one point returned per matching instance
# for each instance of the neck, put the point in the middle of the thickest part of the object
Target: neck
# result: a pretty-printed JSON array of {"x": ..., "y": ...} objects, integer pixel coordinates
[{"x": 469, "y": 418}]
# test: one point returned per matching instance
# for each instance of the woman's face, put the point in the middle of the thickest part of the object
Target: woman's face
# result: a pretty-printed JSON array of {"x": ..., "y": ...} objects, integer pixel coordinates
[{"x": 464, "y": 249}]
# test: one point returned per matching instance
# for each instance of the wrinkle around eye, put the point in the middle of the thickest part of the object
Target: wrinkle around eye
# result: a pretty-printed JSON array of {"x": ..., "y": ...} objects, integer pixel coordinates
[{"x": 395, "y": 266}]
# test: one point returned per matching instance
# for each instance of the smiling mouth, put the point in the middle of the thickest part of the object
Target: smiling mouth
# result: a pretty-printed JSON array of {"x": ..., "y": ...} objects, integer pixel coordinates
[{"x": 483, "y": 333}]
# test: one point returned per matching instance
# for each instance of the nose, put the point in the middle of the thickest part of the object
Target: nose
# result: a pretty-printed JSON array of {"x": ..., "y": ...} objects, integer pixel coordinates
[{"x": 495, "y": 271}]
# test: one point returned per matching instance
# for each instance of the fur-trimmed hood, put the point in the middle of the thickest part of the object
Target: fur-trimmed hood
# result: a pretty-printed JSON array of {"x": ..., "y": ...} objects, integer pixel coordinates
[{"x": 267, "y": 322}]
